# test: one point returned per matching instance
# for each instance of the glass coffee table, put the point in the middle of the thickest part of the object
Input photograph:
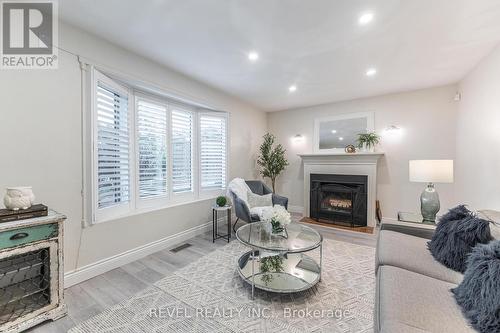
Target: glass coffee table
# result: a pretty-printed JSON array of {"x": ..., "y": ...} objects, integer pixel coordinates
[{"x": 280, "y": 262}]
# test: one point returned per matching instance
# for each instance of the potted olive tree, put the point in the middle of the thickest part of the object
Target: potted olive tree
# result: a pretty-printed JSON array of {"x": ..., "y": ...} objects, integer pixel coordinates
[{"x": 272, "y": 159}]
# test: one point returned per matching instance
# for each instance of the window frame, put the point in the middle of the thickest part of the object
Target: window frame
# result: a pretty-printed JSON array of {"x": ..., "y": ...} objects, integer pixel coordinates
[
  {"x": 179, "y": 197},
  {"x": 136, "y": 204},
  {"x": 145, "y": 203},
  {"x": 107, "y": 213},
  {"x": 209, "y": 193}
]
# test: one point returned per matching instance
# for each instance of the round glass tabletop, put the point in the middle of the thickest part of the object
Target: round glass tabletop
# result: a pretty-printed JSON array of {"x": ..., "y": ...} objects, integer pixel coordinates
[{"x": 297, "y": 238}]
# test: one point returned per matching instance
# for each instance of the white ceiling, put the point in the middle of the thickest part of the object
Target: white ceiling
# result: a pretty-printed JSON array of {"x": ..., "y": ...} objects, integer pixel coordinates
[{"x": 317, "y": 45}]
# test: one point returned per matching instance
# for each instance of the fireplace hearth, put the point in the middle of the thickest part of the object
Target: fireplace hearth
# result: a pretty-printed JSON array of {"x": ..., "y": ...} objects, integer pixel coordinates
[{"x": 339, "y": 199}]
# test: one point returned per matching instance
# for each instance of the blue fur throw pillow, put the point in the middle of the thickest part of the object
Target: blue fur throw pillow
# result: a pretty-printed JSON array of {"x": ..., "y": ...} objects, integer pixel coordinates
[
  {"x": 456, "y": 234},
  {"x": 456, "y": 213},
  {"x": 479, "y": 292}
]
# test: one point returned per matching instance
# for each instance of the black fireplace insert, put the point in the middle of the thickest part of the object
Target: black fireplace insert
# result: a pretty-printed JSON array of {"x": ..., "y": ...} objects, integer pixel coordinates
[{"x": 339, "y": 199}]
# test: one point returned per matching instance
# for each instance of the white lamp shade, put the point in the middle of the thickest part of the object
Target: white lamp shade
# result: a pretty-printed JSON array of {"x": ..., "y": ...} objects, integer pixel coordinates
[{"x": 431, "y": 171}]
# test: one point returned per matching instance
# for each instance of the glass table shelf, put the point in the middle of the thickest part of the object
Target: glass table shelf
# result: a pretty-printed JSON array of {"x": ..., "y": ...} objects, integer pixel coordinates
[
  {"x": 414, "y": 218},
  {"x": 293, "y": 269},
  {"x": 300, "y": 272}
]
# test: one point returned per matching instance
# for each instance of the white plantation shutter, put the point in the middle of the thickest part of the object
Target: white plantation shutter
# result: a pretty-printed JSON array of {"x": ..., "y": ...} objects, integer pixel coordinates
[
  {"x": 113, "y": 143},
  {"x": 152, "y": 148},
  {"x": 149, "y": 151},
  {"x": 182, "y": 150},
  {"x": 212, "y": 151}
]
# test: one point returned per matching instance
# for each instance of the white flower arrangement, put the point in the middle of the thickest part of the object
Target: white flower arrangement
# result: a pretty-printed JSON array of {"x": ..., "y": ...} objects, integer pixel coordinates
[{"x": 278, "y": 216}]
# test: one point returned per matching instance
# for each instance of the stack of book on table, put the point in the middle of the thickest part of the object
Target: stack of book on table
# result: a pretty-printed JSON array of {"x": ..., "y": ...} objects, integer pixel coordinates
[{"x": 7, "y": 215}]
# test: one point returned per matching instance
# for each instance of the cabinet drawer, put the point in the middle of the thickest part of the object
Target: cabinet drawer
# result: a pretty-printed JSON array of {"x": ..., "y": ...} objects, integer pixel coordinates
[{"x": 21, "y": 236}]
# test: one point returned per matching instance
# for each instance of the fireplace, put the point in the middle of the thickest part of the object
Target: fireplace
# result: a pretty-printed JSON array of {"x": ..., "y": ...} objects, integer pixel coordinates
[{"x": 339, "y": 199}]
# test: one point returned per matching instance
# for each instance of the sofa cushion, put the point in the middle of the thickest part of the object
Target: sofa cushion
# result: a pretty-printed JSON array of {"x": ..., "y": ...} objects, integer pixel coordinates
[
  {"x": 417, "y": 301},
  {"x": 409, "y": 252},
  {"x": 454, "y": 240},
  {"x": 479, "y": 292}
]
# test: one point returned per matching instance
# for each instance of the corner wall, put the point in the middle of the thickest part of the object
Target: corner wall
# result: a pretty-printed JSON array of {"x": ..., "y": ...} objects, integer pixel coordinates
[
  {"x": 40, "y": 126},
  {"x": 427, "y": 119},
  {"x": 478, "y": 136}
]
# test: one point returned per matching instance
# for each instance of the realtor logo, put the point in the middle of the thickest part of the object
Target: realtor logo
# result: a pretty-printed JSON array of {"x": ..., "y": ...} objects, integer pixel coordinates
[{"x": 29, "y": 32}]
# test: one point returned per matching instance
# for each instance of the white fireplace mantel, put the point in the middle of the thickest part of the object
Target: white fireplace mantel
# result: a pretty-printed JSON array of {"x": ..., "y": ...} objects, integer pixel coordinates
[{"x": 364, "y": 163}]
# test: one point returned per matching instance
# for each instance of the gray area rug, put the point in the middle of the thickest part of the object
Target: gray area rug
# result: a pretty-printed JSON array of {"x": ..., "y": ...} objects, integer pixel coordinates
[{"x": 209, "y": 296}]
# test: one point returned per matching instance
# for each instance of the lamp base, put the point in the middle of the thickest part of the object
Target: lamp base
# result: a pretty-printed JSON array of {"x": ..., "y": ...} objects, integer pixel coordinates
[{"x": 429, "y": 203}]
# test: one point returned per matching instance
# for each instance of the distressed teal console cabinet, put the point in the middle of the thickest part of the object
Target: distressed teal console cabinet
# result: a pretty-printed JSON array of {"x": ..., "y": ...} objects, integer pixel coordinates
[{"x": 31, "y": 272}]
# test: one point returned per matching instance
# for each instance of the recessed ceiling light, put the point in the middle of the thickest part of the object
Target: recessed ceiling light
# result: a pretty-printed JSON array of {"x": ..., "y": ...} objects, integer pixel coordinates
[
  {"x": 253, "y": 56},
  {"x": 371, "y": 72},
  {"x": 341, "y": 138},
  {"x": 365, "y": 18},
  {"x": 334, "y": 131},
  {"x": 292, "y": 88}
]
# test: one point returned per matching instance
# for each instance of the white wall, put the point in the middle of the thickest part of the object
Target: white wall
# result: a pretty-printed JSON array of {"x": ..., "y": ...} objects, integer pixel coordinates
[
  {"x": 427, "y": 119},
  {"x": 478, "y": 136},
  {"x": 40, "y": 126}
]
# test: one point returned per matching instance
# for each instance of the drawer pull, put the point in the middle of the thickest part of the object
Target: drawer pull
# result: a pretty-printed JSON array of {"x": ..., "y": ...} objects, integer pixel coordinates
[{"x": 20, "y": 235}]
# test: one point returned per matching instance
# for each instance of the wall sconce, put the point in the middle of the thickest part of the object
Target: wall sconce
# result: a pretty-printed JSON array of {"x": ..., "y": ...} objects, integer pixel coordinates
[
  {"x": 392, "y": 128},
  {"x": 392, "y": 133},
  {"x": 298, "y": 138}
]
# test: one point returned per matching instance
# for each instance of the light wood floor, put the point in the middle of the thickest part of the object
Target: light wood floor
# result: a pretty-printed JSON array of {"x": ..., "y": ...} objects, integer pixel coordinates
[{"x": 91, "y": 297}]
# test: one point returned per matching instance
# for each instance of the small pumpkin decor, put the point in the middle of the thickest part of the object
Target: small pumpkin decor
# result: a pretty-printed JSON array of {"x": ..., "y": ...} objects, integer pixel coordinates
[
  {"x": 221, "y": 201},
  {"x": 350, "y": 149}
]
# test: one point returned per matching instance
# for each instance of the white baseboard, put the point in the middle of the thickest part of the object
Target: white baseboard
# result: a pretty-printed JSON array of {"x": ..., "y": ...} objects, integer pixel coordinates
[
  {"x": 296, "y": 209},
  {"x": 102, "y": 266}
]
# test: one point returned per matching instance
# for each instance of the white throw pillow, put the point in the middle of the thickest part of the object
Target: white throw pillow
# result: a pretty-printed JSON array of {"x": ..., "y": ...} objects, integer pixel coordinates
[
  {"x": 240, "y": 188},
  {"x": 494, "y": 217},
  {"x": 260, "y": 211},
  {"x": 255, "y": 200}
]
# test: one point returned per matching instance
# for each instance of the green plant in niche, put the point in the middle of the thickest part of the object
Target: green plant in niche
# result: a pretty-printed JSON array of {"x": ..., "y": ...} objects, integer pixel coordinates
[
  {"x": 272, "y": 159},
  {"x": 272, "y": 264},
  {"x": 221, "y": 201},
  {"x": 368, "y": 140}
]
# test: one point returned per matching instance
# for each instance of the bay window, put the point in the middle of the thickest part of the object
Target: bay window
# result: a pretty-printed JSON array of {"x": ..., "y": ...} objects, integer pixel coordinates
[{"x": 150, "y": 151}]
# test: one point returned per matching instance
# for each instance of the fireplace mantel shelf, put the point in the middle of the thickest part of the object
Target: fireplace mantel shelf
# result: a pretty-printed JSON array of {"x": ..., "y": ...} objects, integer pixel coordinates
[
  {"x": 343, "y": 158},
  {"x": 342, "y": 154}
]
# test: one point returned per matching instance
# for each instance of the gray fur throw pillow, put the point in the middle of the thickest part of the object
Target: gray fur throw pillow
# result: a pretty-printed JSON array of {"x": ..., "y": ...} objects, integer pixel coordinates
[
  {"x": 456, "y": 213},
  {"x": 479, "y": 293},
  {"x": 456, "y": 234}
]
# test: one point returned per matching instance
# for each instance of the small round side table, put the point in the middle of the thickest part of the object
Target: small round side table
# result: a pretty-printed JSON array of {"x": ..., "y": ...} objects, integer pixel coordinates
[{"x": 215, "y": 229}]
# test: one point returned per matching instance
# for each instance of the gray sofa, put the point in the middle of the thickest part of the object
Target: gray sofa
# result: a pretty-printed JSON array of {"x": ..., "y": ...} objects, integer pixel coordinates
[{"x": 412, "y": 289}]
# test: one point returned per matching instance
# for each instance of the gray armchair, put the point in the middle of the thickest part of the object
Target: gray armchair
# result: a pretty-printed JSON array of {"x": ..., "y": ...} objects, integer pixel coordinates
[{"x": 241, "y": 209}]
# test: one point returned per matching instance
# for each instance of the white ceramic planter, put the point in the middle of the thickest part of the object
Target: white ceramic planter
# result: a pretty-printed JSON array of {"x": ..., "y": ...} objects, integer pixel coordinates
[
  {"x": 21, "y": 197},
  {"x": 368, "y": 150}
]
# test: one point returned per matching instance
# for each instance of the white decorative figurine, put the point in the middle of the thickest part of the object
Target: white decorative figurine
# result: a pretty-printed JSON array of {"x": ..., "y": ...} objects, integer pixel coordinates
[{"x": 19, "y": 198}]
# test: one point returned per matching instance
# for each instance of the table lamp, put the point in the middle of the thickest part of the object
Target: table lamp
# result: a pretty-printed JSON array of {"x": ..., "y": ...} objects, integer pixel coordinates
[{"x": 430, "y": 172}]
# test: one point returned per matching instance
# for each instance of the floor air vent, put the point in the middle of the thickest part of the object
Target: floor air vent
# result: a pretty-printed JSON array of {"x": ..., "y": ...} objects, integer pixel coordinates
[{"x": 180, "y": 247}]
